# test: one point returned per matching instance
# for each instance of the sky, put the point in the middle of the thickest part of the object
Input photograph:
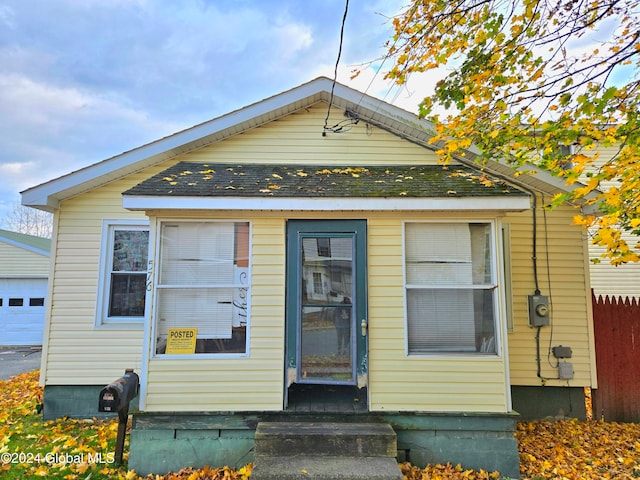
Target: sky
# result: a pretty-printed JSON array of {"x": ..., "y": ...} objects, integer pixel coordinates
[{"x": 84, "y": 80}]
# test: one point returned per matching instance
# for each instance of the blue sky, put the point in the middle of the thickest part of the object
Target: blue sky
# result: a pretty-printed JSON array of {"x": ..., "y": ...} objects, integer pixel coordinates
[{"x": 83, "y": 80}]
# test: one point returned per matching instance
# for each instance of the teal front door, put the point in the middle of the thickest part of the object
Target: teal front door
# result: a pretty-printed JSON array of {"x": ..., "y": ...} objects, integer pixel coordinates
[{"x": 326, "y": 303}]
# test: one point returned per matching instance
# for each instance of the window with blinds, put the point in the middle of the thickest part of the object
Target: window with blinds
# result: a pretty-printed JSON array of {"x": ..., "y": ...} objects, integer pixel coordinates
[
  {"x": 450, "y": 288},
  {"x": 203, "y": 284}
]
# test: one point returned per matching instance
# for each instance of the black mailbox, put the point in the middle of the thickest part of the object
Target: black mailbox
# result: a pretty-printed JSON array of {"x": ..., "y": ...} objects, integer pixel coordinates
[{"x": 117, "y": 395}]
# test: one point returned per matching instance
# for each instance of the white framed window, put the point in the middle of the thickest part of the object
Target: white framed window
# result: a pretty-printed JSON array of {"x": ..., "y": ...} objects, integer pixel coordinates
[
  {"x": 450, "y": 288},
  {"x": 203, "y": 284},
  {"x": 122, "y": 285}
]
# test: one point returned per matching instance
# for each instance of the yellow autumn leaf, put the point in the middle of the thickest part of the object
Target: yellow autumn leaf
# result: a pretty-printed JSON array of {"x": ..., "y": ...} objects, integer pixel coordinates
[
  {"x": 131, "y": 475},
  {"x": 42, "y": 471}
]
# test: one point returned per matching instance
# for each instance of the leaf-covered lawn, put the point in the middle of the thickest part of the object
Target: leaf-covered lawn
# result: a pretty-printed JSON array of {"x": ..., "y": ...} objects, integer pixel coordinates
[{"x": 83, "y": 449}]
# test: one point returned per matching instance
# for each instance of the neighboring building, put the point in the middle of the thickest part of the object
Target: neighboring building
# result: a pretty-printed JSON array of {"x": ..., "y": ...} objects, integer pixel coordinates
[
  {"x": 327, "y": 271},
  {"x": 24, "y": 270},
  {"x": 606, "y": 279}
]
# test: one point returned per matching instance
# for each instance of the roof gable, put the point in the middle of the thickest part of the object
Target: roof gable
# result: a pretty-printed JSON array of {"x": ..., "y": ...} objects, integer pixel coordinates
[{"x": 356, "y": 105}]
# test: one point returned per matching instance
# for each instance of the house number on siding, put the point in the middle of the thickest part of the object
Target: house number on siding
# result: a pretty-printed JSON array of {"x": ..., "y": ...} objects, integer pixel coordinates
[{"x": 149, "y": 275}]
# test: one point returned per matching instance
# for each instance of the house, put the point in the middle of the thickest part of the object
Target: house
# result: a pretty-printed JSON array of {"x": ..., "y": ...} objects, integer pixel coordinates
[
  {"x": 606, "y": 279},
  {"x": 306, "y": 257},
  {"x": 24, "y": 270}
]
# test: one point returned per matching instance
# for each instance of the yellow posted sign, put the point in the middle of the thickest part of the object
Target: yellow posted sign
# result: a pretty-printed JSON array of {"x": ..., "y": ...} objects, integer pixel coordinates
[{"x": 182, "y": 340}]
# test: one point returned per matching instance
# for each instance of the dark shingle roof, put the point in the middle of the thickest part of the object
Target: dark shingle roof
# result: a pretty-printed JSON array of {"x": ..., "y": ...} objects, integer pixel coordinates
[{"x": 265, "y": 180}]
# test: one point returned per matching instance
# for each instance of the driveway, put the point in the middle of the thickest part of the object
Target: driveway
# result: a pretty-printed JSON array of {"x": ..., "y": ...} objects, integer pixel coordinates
[{"x": 16, "y": 360}]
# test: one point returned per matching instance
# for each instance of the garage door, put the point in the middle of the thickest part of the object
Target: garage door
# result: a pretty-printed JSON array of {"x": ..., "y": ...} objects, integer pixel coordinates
[{"x": 22, "y": 311}]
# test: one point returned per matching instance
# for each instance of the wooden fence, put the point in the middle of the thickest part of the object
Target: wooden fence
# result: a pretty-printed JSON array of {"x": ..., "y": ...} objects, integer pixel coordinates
[{"x": 617, "y": 337}]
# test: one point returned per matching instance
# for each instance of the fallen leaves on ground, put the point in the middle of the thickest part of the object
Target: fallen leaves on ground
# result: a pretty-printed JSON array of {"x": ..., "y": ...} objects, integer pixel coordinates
[
  {"x": 573, "y": 449},
  {"x": 444, "y": 472},
  {"x": 82, "y": 449}
]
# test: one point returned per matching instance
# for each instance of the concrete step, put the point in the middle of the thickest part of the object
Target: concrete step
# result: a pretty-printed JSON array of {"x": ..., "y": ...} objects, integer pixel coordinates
[
  {"x": 305, "y": 467},
  {"x": 281, "y": 439}
]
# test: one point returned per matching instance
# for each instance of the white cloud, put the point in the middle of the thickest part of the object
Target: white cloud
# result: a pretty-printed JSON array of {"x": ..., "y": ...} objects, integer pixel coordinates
[
  {"x": 47, "y": 131},
  {"x": 84, "y": 80},
  {"x": 6, "y": 16}
]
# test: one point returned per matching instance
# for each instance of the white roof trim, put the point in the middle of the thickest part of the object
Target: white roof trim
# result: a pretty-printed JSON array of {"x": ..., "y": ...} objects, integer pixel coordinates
[{"x": 506, "y": 203}]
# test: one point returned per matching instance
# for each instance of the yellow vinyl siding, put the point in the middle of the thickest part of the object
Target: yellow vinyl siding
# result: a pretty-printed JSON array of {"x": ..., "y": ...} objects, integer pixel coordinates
[
  {"x": 73, "y": 338},
  {"x": 235, "y": 384},
  {"x": 256, "y": 382},
  {"x": 561, "y": 245},
  {"x": 298, "y": 138},
  {"x": 18, "y": 262},
  {"x": 398, "y": 382}
]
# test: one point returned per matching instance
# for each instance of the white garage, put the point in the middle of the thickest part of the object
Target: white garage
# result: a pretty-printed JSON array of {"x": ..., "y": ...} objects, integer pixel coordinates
[
  {"x": 22, "y": 310},
  {"x": 24, "y": 268}
]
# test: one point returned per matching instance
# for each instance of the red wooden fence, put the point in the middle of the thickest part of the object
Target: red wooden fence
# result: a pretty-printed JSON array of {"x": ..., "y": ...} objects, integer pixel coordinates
[{"x": 617, "y": 337}]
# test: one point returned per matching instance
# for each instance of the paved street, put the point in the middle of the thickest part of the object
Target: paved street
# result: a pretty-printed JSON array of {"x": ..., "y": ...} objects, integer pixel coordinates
[{"x": 16, "y": 360}]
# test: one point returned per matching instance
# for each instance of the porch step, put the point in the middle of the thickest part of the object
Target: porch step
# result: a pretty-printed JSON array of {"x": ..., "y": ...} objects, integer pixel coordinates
[
  {"x": 325, "y": 468},
  {"x": 325, "y": 451}
]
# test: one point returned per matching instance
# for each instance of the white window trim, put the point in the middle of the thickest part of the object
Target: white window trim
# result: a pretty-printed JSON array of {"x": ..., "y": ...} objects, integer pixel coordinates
[
  {"x": 498, "y": 300},
  {"x": 156, "y": 277},
  {"x": 102, "y": 321}
]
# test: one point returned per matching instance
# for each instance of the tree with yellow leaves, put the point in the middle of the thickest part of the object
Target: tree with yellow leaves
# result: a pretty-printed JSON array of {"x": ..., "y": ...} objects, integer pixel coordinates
[{"x": 537, "y": 82}]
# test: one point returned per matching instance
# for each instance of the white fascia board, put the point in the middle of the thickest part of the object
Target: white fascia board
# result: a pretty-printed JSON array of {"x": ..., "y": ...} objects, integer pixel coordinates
[{"x": 507, "y": 204}]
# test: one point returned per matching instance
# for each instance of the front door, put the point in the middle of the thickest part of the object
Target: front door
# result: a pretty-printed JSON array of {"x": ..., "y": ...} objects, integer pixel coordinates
[{"x": 326, "y": 307}]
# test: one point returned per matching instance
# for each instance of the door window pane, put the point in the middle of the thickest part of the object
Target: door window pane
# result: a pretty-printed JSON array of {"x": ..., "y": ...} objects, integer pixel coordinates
[{"x": 326, "y": 317}]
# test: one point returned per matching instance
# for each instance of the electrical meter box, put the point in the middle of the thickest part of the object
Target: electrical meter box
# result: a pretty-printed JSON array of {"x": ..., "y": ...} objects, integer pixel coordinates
[{"x": 538, "y": 310}]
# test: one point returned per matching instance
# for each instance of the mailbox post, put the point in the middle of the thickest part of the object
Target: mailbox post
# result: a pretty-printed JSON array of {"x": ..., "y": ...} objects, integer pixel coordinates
[{"x": 116, "y": 397}]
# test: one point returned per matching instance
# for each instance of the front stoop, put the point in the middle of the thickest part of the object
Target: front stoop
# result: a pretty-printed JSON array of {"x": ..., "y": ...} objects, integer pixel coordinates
[{"x": 325, "y": 451}]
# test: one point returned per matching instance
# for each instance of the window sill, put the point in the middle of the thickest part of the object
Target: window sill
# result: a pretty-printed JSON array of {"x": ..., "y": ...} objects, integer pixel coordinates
[
  {"x": 120, "y": 326},
  {"x": 198, "y": 356}
]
